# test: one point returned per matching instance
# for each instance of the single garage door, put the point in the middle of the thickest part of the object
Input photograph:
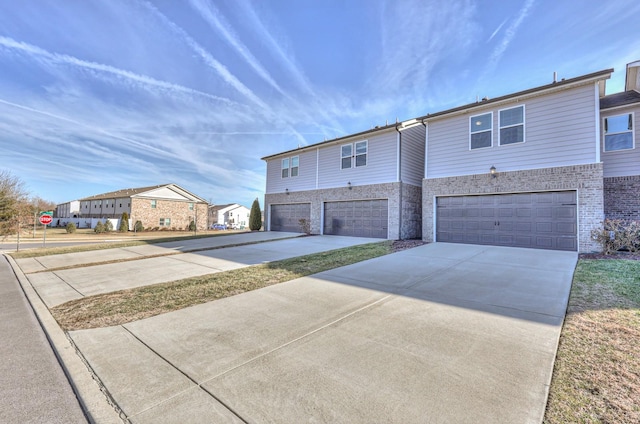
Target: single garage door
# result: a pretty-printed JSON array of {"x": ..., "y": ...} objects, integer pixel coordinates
[
  {"x": 287, "y": 217},
  {"x": 537, "y": 220},
  {"x": 362, "y": 218}
]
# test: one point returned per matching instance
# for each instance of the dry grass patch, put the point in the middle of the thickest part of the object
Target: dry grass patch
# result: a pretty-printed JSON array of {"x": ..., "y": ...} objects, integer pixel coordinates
[
  {"x": 130, "y": 305},
  {"x": 596, "y": 377}
]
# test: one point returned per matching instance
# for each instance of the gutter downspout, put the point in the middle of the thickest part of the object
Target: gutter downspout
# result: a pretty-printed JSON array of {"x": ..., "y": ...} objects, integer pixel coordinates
[{"x": 399, "y": 175}]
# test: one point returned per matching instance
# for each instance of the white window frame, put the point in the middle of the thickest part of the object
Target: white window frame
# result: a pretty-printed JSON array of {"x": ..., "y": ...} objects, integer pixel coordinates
[
  {"x": 501, "y": 127},
  {"x": 154, "y": 203},
  {"x": 471, "y": 133},
  {"x": 287, "y": 169},
  {"x": 165, "y": 222},
  {"x": 294, "y": 169},
  {"x": 353, "y": 155},
  {"x": 284, "y": 168},
  {"x": 632, "y": 131}
]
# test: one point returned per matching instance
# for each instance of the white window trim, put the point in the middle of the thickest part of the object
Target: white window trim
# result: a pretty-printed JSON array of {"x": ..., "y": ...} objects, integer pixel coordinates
[
  {"x": 633, "y": 132},
  {"x": 282, "y": 168},
  {"x": 524, "y": 126},
  {"x": 471, "y": 133},
  {"x": 352, "y": 157}
]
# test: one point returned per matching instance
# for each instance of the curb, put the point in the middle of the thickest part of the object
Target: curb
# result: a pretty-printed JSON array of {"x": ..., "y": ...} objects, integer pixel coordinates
[{"x": 93, "y": 401}]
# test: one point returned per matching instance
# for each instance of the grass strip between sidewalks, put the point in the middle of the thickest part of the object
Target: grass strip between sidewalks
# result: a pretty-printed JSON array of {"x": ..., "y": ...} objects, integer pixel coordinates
[
  {"x": 596, "y": 378},
  {"x": 134, "y": 304}
]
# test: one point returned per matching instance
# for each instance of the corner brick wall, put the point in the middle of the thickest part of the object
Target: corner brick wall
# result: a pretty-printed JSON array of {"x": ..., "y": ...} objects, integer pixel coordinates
[
  {"x": 178, "y": 212},
  {"x": 586, "y": 179},
  {"x": 410, "y": 199},
  {"x": 622, "y": 197}
]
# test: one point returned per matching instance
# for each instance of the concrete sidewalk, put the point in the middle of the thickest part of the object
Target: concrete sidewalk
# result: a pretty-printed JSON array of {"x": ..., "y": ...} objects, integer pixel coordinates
[
  {"x": 61, "y": 286},
  {"x": 33, "y": 386},
  {"x": 437, "y": 334}
]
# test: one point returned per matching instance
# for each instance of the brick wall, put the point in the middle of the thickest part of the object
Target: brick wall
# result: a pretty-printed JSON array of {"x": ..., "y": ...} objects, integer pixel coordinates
[
  {"x": 586, "y": 179},
  {"x": 410, "y": 200},
  {"x": 622, "y": 197},
  {"x": 177, "y": 211}
]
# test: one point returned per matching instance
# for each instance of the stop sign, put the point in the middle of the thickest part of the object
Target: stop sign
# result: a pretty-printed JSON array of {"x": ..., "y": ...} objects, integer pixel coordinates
[{"x": 46, "y": 219}]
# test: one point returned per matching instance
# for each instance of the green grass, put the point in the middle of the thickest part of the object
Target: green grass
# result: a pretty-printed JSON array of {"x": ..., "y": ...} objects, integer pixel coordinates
[
  {"x": 596, "y": 378},
  {"x": 130, "y": 305}
]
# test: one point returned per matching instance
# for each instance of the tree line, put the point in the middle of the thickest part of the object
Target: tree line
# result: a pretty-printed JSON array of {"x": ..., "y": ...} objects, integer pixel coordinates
[{"x": 18, "y": 209}]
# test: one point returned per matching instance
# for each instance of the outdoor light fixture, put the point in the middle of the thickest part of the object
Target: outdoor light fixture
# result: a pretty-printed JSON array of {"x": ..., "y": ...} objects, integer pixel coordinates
[
  {"x": 286, "y": 190},
  {"x": 493, "y": 171},
  {"x": 349, "y": 185}
]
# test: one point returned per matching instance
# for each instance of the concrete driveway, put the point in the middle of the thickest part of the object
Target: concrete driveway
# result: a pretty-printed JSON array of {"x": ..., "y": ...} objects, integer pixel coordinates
[{"x": 437, "y": 334}]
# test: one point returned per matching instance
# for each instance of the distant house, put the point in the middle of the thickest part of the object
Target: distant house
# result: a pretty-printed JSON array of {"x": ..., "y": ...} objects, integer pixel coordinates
[
  {"x": 366, "y": 184},
  {"x": 68, "y": 210},
  {"x": 231, "y": 215},
  {"x": 163, "y": 206},
  {"x": 539, "y": 168}
]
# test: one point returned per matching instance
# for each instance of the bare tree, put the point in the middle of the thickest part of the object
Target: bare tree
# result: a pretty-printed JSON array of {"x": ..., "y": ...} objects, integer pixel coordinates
[{"x": 12, "y": 201}]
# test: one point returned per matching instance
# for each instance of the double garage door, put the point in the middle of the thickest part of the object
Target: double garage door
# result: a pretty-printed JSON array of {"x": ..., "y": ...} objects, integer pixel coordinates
[
  {"x": 536, "y": 220},
  {"x": 361, "y": 218}
]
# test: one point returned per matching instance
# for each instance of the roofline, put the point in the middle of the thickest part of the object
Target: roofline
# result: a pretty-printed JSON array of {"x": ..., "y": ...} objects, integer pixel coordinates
[
  {"x": 604, "y": 74},
  {"x": 634, "y": 103},
  {"x": 395, "y": 126}
]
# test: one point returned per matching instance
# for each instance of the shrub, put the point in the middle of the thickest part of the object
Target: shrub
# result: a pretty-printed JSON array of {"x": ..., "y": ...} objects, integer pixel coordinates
[
  {"x": 108, "y": 225},
  {"x": 255, "y": 217},
  {"x": 617, "y": 234},
  {"x": 99, "y": 227},
  {"x": 124, "y": 223},
  {"x": 71, "y": 228},
  {"x": 192, "y": 226},
  {"x": 305, "y": 225},
  {"x": 138, "y": 227}
]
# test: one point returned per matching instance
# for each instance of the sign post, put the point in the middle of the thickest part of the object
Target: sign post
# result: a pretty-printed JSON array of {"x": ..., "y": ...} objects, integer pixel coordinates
[{"x": 46, "y": 217}]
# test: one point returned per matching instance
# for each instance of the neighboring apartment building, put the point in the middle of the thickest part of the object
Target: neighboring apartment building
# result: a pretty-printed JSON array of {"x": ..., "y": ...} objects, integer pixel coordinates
[
  {"x": 162, "y": 206},
  {"x": 539, "y": 168},
  {"x": 366, "y": 184},
  {"x": 231, "y": 215},
  {"x": 68, "y": 210}
]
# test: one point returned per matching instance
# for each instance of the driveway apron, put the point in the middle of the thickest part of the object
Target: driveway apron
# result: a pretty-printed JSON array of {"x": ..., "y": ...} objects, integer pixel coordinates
[{"x": 436, "y": 334}]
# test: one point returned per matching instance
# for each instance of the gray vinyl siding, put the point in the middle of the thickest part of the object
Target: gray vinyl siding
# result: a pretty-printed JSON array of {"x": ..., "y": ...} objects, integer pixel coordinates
[
  {"x": 412, "y": 152},
  {"x": 622, "y": 163},
  {"x": 381, "y": 163},
  {"x": 306, "y": 179},
  {"x": 560, "y": 130}
]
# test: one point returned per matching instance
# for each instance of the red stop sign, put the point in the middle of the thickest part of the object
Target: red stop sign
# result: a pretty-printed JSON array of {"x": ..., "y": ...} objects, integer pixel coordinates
[{"x": 46, "y": 219}]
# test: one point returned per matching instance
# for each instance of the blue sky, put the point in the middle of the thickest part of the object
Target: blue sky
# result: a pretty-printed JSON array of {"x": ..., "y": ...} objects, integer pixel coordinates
[{"x": 97, "y": 96}]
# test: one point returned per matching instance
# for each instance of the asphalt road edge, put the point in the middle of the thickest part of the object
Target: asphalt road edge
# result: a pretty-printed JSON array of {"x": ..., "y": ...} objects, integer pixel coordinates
[{"x": 94, "y": 402}]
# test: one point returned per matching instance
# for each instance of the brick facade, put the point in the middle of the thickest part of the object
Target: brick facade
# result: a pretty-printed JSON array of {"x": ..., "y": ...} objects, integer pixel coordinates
[
  {"x": 622, "y": 197},
  {"x": 401, "y": 225},
  {"x": 587, "y": 180},
  {"x": 177, "y": 211}
]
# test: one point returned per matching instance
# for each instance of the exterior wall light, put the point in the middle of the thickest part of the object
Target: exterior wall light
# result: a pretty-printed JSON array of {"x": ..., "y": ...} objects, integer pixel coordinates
[
  {"x": 349, "y": 185},
  {"x": 286, "y": 190},
  {"x": 493, "y": 172}
]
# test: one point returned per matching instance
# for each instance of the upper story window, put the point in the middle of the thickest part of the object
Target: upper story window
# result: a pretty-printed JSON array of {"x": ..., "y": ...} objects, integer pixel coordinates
[
  {"x": 290, "y": 166},
  {"x": 618, "y": 132},
  {"x": 480, "y": 131},
  {"x": 354, "y": 154},
  {"x": 190, "y": 206},
  {"x": 512, "y": 125},
  {"x": 153, "y": 204}
]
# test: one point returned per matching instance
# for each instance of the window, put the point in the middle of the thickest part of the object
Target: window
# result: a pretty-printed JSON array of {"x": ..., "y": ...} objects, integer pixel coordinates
[
  {"x": 480, "y": 130},
  {"x": 512, "y": 125},
  {"x": 346, "y": 156},
  {"x": 618, "y": 132},
  {"x": 290, "y": 167},
  {"x": 190, "y": 206},
  {"x": 153, "y": 204},
  {"x": 165, "y": 222},
  {"x": 350, "y": 153}
]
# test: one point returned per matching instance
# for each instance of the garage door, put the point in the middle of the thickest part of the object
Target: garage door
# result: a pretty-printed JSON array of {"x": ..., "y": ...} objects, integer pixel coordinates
[
  {"x": 536, "y": 220},
  {"x": 362, "y": 218},
  {"x": 287, "y": 217}
]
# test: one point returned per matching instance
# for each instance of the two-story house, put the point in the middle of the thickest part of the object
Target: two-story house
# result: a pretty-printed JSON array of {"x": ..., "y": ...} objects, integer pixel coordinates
[{"x": 366, "y": 184}]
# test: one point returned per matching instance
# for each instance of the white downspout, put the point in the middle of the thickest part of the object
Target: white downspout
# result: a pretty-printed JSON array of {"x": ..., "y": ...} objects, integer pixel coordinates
[{"x": 597, "y": 106}]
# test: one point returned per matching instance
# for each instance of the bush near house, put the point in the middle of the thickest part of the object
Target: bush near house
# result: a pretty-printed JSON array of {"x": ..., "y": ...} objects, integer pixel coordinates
[
  {"x": 99, "y": 228},
  {"x": 71, "y": 228},
  {"x": 108, "y": 226},
  {"x": 138, "y": 227},
  {"x": 192, "y": 226},
  {"x": 617, "y": 234},
  {"x": 255, "y": 216},
  {"x": 124, "y": 223}
]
